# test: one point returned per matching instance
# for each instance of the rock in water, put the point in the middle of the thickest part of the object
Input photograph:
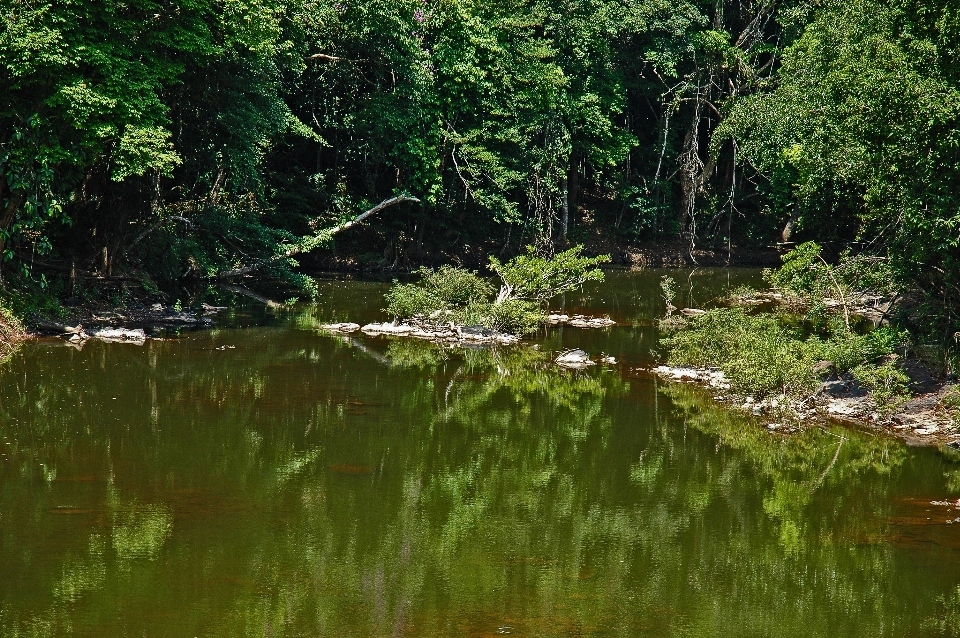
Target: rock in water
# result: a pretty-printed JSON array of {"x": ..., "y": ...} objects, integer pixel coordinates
[
  {"x": 343, "y": 328},
  {"x": 119, "y": 335},
  {"x": 387, "y": 329},
  {"x": 574, "y": 359}
]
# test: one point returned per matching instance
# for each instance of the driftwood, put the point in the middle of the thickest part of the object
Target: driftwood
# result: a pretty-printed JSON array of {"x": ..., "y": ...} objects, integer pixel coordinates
[{"x": 316, "y": 240}]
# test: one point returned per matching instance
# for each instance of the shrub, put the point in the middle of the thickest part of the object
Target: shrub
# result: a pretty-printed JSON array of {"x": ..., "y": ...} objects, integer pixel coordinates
[
  {"x": 757, "y": 352},
  {"x": 888, "y": 384},
  {"x": 514, "y": 316},
  {"x": 537, "y": 278},
  {"x": 802, "y": 273},
  {"x": 446, "y": 289},
  {"x": 848, "y": 350},
  {"x": 11, "y": 332},
  {"x": 760, "y": 354}
]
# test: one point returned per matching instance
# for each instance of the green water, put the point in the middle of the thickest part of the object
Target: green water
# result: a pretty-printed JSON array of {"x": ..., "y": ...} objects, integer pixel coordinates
[{"x": 298, "y": 484}]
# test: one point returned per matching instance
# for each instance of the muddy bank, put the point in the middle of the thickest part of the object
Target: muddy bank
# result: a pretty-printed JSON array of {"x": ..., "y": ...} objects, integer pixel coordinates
[{"x": 927, "y": 418}]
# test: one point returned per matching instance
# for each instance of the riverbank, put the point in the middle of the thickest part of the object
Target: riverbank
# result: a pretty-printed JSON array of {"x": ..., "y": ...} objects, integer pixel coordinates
[
  {"x": 929, "y": 418},
  {"x": 12, "y": 333}
]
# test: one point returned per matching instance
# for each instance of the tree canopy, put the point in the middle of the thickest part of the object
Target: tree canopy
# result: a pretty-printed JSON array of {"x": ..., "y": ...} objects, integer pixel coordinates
[{"x": 186, "y": 139}]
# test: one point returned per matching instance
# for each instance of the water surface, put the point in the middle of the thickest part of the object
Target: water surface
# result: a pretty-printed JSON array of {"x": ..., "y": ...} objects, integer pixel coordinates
[{"x": 269, "y": 480}]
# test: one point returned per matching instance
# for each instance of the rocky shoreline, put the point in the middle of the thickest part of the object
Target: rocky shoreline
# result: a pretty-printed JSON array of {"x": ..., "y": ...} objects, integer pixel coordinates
[
  {"x": 451, "y": 333},
  {"x": 133, "y": 324},
  {"x": 922, "y": 420}
]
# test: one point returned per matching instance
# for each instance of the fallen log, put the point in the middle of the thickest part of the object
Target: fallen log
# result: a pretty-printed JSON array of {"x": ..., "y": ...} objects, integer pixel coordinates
[{"x": 57, "y": 328}]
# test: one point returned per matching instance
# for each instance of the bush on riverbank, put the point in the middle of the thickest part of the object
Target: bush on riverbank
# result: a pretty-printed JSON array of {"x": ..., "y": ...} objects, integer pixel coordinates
[
  {"x": 12, "y": 332},
  {"x": 766, "y": 353},
  {"x": 776, "y": 351}
]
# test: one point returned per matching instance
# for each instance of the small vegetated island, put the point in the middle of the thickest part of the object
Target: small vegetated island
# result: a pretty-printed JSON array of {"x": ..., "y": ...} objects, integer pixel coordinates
[{"x": 456, "y": 304}]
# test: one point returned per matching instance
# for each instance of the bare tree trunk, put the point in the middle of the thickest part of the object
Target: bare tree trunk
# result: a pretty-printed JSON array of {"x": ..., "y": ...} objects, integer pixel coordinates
[
  {"x": 564, "y": 210},
  {"x": 787, "y": 232},
  {"x": 573, "y": 186}
]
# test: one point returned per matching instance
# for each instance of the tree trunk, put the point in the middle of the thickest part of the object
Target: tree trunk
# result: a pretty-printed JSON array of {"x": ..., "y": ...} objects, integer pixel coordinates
[
  {"x": 573, "y": 187},
  {"x": 787, "y": 232},
  {"x": 7, "y": 220},
  {"x": 564, "y": 210},
  {"x": 296, "y": 250}
]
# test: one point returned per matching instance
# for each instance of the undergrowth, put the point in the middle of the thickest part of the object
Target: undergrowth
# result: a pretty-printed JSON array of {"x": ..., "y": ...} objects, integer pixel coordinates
[
  {"x": 764, "y": 352},
  {"x": 767, "y": 353},
  {"x": 11, "y": 332}
]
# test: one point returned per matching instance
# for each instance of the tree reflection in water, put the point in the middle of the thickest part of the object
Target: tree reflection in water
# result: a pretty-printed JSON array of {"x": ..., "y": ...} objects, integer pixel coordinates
[{"x": 308, "y": 485}]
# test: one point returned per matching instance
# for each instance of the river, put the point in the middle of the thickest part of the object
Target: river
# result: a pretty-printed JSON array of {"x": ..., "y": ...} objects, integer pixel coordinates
[{"x": 265, "y": 479}]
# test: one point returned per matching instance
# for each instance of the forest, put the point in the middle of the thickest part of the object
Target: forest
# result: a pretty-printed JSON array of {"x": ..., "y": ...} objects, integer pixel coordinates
[{"x": 167, "y": 143}]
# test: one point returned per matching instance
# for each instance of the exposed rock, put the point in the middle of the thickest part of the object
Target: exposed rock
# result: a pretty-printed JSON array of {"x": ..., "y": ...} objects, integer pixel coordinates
[
  {"x": 922, "y": 380},
  {"x": 450, "y": 333},
  {"x": 574, "y": 359},
  {"x": 580, "y": 321},
  {"x": 401, "y": 329},
  {"x": 476, "y": 331},
  {"x": 119, "y": 335},
  {"x": 608, "y": 360},
  {"x": 692, "y": 312},
  {"x": 834, "y": 388},
  {"x": 850, "y": 408},
  {"x": 843, "y": 387},
  {"x": 922, "y": 420},
  {"x": 712, "y": 378},
  {"x": 342, "y": 328}
]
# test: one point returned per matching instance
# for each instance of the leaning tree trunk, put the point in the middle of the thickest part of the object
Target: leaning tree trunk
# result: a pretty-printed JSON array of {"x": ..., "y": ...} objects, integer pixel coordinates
[{"x": 319, "y": 239}]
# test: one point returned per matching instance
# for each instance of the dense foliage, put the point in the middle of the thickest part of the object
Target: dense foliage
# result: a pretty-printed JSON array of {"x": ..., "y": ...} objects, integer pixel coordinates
[
  {"x": 460, "y": 296},
  {"x": 763, "y": 353},
  {"x": 152, "y": 139}
]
